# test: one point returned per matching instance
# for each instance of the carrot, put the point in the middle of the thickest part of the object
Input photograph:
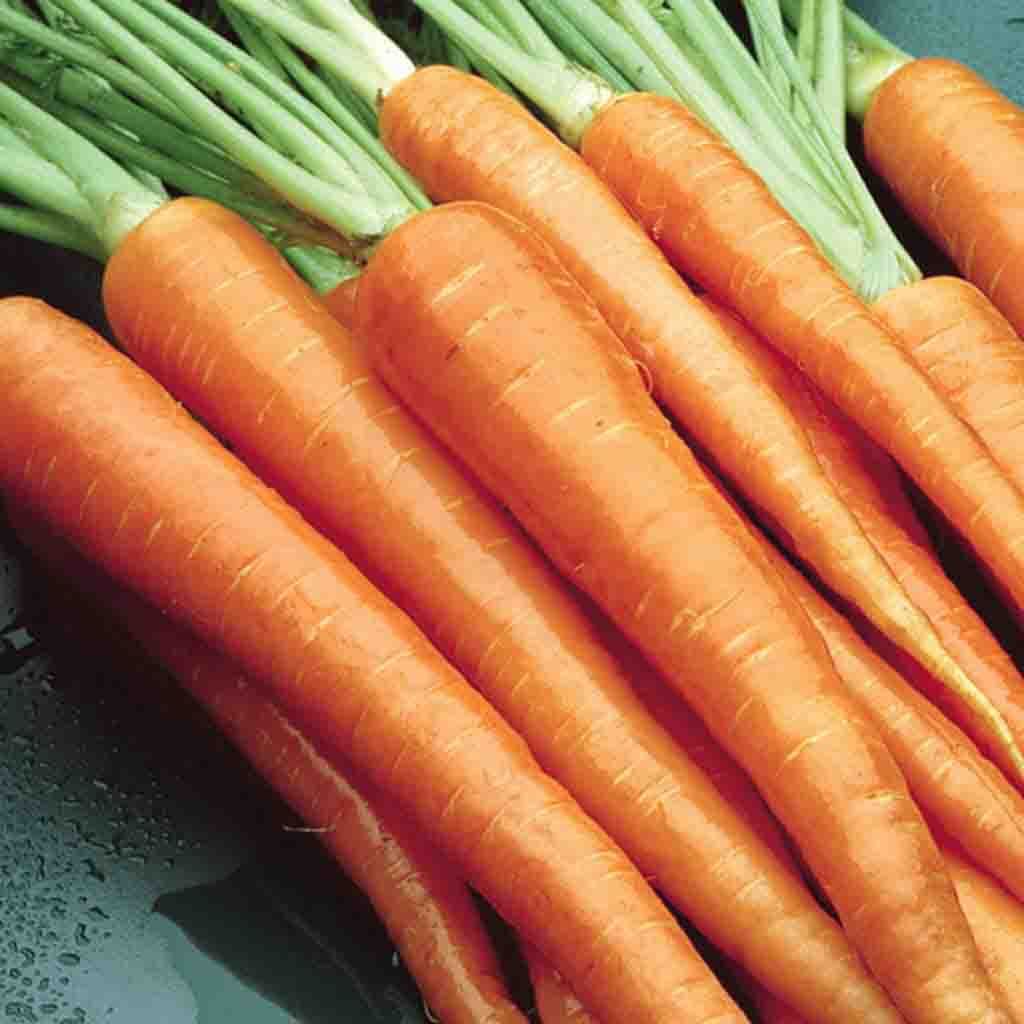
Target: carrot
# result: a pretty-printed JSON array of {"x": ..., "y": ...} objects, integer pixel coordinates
[
  {"x": 282, "y": 378},
  {"x": 971, "y": 353},
  {"x": 97, "y": 449},
  {"x": 466, "y": 140},
  {"x": 554, "y": 1001},
  {"x": 425, "y": 907},
  {"x": 997, "y": 921},
  {"x": 535, "y": 378},
  {"x": 869, "y": 483},
  {"x": 949, "y": 144}
]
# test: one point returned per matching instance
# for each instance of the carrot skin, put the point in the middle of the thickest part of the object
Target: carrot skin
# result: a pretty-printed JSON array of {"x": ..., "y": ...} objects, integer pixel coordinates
[
  {"x": 869, "y": 483},
  {"x": 534, "y": 377},
  {"x": 377, "y": 483},
  {"x": 426, "y": 908},
  {"x": 464, "y": 139},
  {"x": 104, "y": 455},
  {"x": 971, "y": 353},
  {"x": 696, "y": 198},
  {"x": 949, "y": 145},
  {"x": 555, "y": 1002}
]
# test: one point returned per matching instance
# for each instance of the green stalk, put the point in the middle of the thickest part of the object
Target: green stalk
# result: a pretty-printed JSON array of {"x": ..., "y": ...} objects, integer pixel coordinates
[
  {"x": 187, "y": 179},
  {"x": 870, "y": 58},
  {"x": 523, "y": 29},
  {"x": 60, "y": 46},
  {"x": 50, "y": 228},
  {"x": 38, "y": 182},
  {"x": 773, "y": 70},
  {"x": 594, "y": 40},
  {"x": 821, "y": 44},
  {"x": 887, "y": 263},
  {"x": 364, "y": 152},
  {"x": 351, "y": 214},
  {"x": 117, "y": 202},
  {"x": 322, "y": 269}
]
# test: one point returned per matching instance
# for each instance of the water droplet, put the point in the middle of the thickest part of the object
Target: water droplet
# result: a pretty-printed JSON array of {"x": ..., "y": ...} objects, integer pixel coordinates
[
  {"x": 98, "y": 913},
  {"x": 68, "y": 960},
  {"x": 81, "y": 935}
]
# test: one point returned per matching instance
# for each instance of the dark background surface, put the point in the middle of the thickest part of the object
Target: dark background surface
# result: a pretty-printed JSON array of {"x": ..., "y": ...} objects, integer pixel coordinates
[{"x": 145, "y": 874}]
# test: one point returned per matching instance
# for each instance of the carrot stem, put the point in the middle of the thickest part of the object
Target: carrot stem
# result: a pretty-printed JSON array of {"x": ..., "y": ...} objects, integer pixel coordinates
[
  {"x": 329, "y": 200},
  {"x": 50, "y": 228}
]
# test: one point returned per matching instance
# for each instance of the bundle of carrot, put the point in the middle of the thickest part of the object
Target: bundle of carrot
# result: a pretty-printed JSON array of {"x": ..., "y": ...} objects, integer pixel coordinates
[{"x": 766, "y": 687}]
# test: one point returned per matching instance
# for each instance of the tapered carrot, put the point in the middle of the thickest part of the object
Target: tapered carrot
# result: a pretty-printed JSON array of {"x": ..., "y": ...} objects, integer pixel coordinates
[
  {"x": 869, "y": 484},
  {"x": 103, "y": 454},
  {"x": 533, "y": 390},
  {"x": 426, "y": 909},
  {"x": 464, "y": 139},
  {"x": 949, "y": 144},
  {"x": 233, "y": 334},
  {"x": 971, "y": 353}
]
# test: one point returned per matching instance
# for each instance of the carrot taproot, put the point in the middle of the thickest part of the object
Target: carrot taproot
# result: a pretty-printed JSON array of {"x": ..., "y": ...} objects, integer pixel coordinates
[
  {"x": 464, "y": 139},
  {"x": 533, "y": 390},
  {"x": 426, "y": 908},
  {"x": 283, "y": 378},
  {"x": 96, "y": 448},
  {"x": 971, "y": 353},
  {"x": 554, "y": 1001},
  {"x": 869, "y": 483},
  {"x": 948, "y": 143},
  {"x": 997, "y": 921}
]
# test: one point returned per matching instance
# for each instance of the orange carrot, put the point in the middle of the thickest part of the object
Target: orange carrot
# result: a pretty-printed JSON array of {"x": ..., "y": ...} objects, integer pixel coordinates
[
  {"x": 97, "y": 449},
  {"x": 972, "y": 355},
  {"x": 426, "y": 909},
  {"x": 950, "y": 146},
  {"x": 997, "y": 921},
  {"x": 869, "y": 483},
  {"x": 464, "y": 139},
  {"x": 283, "y": 378},
  {"x": 555, "y": 1002},
  {"x": 533, "y": 390},
  {"x": 716, "y": 221}
]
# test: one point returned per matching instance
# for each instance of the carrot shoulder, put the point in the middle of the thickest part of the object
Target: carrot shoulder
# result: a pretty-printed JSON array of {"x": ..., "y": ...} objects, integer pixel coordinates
[
  {"x": 425, "y": 907},
  {"x": 869, "y": 484},
  {"x": 280, "y": 378},
  {"x": 717, "y": 222},
  {"x": 951, "y": 147},
  {"x": 464, "y": 139},
  {"x": 97, "y": 449},
  {"x": 527, "y": 383}
]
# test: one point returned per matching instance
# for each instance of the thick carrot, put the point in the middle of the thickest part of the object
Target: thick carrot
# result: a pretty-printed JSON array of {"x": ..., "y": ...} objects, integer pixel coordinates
[
  {"x": 869, "y": 483},
  {"x": 950, "y": 145},
  {"x": 281, "y": 378},
  {"x": 717, "y": 222},
  {"x": 997, "y": 921},
  {"x": 554, "y": 1001},
  {"x": 101, "y": 452},
  {"x": 539, "y": 397},
  {"x": 426, "y": 909},
  {"x": 971, "y": 353},
  {"x": 464, "y": 139}
]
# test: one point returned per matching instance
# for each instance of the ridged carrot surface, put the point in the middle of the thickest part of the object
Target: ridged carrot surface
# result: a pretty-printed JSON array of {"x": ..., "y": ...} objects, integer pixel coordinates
[
  {"x": 464, "y": 139},
  {"x": 294, "y": 394},
  {"x": 97, "y": 449},
  {"x": 539, "y": 397},
  {"x": 951, "y": 147},
  {"x": 717, "y": 222},
  {"x": 425, "y": 907}
]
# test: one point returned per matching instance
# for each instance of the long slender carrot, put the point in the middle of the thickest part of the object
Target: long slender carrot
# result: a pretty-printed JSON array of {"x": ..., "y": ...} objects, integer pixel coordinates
[
  {"x": 949, "y": 144},
  {"x": 102, "y": 453},
  {"x": 280, "y": 378},
  {"x": 869, "y": 483},
  {"x": 971, "y": 353},
  {"x": 425, "y": 907},
  {"x": 537, "y": 394},
  {"x": 464, "y": 139}
]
